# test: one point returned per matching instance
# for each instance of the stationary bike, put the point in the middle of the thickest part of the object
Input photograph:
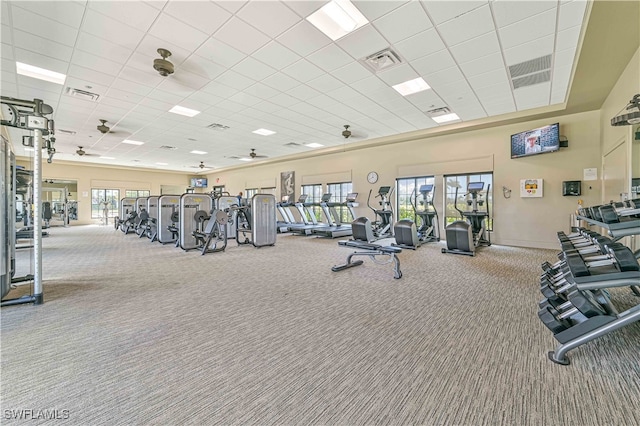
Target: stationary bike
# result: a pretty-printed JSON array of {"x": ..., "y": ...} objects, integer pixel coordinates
[{"x": 464, "y": 236}]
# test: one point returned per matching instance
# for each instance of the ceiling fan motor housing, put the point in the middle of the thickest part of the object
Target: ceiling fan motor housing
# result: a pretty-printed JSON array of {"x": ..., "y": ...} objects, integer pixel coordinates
[{"x": 163, "y": 66}]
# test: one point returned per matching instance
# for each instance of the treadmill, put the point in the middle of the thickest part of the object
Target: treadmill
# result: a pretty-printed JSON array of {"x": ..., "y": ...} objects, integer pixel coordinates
[
  {"x": 285, "y": 212},
  {"x": 307, "y": 224},
  {"x": 337, "y": 228}
]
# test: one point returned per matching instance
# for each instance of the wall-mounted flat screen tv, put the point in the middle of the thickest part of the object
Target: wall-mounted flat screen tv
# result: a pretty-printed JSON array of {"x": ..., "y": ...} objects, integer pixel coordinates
[
  {"x": 536, "y": 141},
  {"x": 199, "y": 182}
]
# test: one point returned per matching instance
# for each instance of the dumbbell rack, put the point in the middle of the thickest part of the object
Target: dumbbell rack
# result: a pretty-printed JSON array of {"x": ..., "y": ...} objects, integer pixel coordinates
[{"x": 582, "y": 311}]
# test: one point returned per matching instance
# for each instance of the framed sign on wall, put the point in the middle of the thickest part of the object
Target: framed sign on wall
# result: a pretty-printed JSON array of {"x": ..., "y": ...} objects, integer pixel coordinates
[{"x": 531, "y": 188}]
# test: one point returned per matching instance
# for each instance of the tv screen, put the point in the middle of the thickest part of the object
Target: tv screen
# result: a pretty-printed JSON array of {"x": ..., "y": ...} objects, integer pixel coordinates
[
  {"x": 199, "y": 182},
  {"x": 536, "y": 141}
]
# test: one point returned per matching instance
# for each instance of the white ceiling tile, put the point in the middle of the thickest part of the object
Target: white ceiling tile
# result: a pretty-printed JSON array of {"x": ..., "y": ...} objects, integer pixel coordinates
[
  {"x": 96, "y": 63},
  {"x": 207, "y": 17},
  {"x": 426, "y": 100},
  {"x": 495, "y": 92},
  {"x": 471, "y": 113},
  {"x": 66, "y": 12},
  {"x": 363, "y": 42},
  {"x": 485, "y": 64},
  {"x": 261, "y": 91},
  {"x": 6, "y": 35},
  {"x": 253, "y": 69},
  {"x": 421, "y": 44},
  {"x": 303, "y": 92},
  {"x": 162, "y": 105},
  {"x": 242, "y": 36},
  {"x": 498, "y": 108},
  {"x": 322, "y": 101},
  {"x": 38, "y": 60},
  {"x": 398, "y": 74},
  {"x": 330, "y": 58},
  {"x": 468, "y": 26},
  {"x": 571, "y": 14},
  {"x": 371, "y": 84},
  {"x": 92, "y": 44},
  {"x": 158, "y": 4},
  {"x": 305, "y": 8},
  {"x": 235, "y": 80},
  {"x": 159, "y": 94},
  {"x": 233, "y": 6},
  {"x": 564, "y": 58},
  {"x": 477, "y": 47},
  {"x": 170, "y": 29},
  {"x": 124, "y": 96},
  {"x": 413, "y": 18},
  {"x": 90, "y": 75},
  {"x": 346, "y": 95},
  {"x": 284, "y": 100},
  {"x": 111, "y": 29},
  {"x": 325, "y": 83},
  {"x": 135, "y": 14},
  {"x": 42, "y": 46},
  {"x": 271, "y": 18},
  {"x": 9, "y": 87},
  {"x": 442, "y": 11},
  {"x": 268, "y": 107},
  {"x": 206, "y": 98},
  {"x": 443, "y": 77},
  {"x": 527, "y": 51},
  {"x": 117, "y": 103},
  {"x": 528, "y": 29},
  {"x": 509, "y": 12},
  {"x": 303, "y": 71},
  {"x": 433, "y": 63},
  {"x": 129, "y": 86},
  {"x": 498, "y": 76},
  {"x": 560, "y": 82},
  {"x": 201, "y": 66},
  {"x": 568, "y": 39},
  {"x": 276, "y": 55},
  {"x": 218, "y": 89},
  {"x": 220, "y": 53},
  {"x": 303, "y": 38},
  {"x": 454, "y": 93},
  {"x": 532, "y": 96},
  {"x": 144, "y": 78},
  {"x": 43, "y": 27},
  {"x": 352, "y": 72},
  {"x": 245, "y": 99},
  {"x": 281, "y": 81},
  {"x": 373, "y": 10},
  {"x": 34, "y": 83},
  {"x": 189, "y": 80}
]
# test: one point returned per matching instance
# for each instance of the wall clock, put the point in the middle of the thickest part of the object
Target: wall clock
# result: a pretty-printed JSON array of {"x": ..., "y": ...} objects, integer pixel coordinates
[{"x": 372, "y": 177}]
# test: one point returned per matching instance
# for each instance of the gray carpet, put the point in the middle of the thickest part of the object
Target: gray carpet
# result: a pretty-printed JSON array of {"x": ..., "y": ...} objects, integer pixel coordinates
[{"x": 138, "y": 333}]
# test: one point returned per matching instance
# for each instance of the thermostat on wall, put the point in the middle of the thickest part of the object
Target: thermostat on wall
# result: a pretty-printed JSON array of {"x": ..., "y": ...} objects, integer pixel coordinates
[{"x": 571, "y": 187}]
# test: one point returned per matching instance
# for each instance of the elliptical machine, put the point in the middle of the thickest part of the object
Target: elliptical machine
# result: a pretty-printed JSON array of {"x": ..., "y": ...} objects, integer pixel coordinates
[
  {"x": 464, "y": 236},
  {"x": 384, "y": 216},
  {"x": 407, "y": 236}
]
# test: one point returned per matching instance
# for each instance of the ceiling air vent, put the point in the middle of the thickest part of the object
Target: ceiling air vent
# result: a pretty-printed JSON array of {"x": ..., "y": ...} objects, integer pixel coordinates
[
  {"x": 292, "y": 144},
  {"x": 82, "y": 94},
  {"x": 65, "y": 132},
  {"x": 382, "y": 60},
  {"x": 217, "y": 126},
  {"x": 168, "y": 147},
  {"x": 438, "y": 112},
  {"x": 533, "y": 71}
]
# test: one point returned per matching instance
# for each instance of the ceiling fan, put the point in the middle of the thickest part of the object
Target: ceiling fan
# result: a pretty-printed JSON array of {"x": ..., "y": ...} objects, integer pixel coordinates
[
  {"x": 199, "y": 166},
  {"x": 82, "y": 153},
  {"x": 346, "y": 133},
  {"x": 253, "y": 154}
]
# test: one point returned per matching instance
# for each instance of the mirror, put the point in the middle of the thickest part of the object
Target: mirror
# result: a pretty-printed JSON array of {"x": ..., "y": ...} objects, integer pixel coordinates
[
  {"x": 635, "y": 162},
  {"x": 59, "y": 199}
]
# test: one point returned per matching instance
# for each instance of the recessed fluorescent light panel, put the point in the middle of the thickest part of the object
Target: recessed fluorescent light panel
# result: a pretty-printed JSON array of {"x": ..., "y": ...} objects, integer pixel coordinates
[
  {"x": 132, "y": 142},
  {"x": 314, "y": 145},
  {"x": 198, "y": 152},
  {"x": 412, "y": 86},
  {"x": 244, "y": 159},
  {"x": 184, "y": 111},
  {"x": 162, "y": 164},
  {"x": 40, "y": 73},
  {"x": 446, "y": 118},
  {"x": 337, "y": 19},
  {"x": 264, "y": 132},
  {"x": 107, "y": 158}
]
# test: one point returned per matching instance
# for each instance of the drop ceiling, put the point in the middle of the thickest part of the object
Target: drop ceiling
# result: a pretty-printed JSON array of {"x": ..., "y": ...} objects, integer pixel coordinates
[{"x": 248, "y": 65}]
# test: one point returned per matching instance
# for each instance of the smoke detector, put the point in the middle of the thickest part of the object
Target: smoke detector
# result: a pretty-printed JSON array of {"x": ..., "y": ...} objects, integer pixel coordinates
[{"x": 163, "y": 66}]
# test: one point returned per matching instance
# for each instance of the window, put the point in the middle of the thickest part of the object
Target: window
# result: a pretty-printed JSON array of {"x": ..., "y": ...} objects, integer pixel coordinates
[
  {"x": 250, "y": 192},
  {"x": 314, "y": 195},
  {"x": 339, "y": 193},
  {"x": 271, "y": 191},
  {"x": 136, "y": 193},
  {"x": 218, "y": 189},
  {"x": 98, "y": 199},
  {"x": 406, "y": 193},
  {"x": 460, "y": 181}
]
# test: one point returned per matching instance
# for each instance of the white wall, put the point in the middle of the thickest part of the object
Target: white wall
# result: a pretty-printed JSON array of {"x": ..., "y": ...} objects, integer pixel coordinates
[{"x": 517, "y": 221}]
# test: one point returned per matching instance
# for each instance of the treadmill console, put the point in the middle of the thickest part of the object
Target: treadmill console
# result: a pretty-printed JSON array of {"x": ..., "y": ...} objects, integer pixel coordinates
[
  {"x": 285, "y": 198},
  {"x": 475, "y": 186},
  {"x": 351, "y": 197},
  {"x": 426, "y": 189},
  {"x": 325, "y": 198},
  {"x": 302, "y": 198}
]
